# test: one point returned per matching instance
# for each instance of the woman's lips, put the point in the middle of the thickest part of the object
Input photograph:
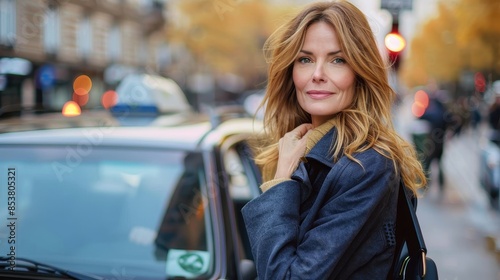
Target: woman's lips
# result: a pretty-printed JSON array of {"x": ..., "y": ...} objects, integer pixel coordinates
[{"x": 319, "y": 94}]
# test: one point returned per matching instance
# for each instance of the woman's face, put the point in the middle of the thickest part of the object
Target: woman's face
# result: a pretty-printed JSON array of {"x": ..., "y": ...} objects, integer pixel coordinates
[{"x": 324, "y": 82}]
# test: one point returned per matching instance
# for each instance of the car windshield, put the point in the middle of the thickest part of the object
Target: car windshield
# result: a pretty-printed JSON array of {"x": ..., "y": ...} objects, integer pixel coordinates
[{"x": 114, "y": 212}]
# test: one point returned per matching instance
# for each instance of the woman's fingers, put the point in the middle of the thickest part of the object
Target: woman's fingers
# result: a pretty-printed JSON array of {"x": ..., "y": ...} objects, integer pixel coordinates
[
  {"x": 301, "y": 130},
  {"x": 292, "y": 147}
]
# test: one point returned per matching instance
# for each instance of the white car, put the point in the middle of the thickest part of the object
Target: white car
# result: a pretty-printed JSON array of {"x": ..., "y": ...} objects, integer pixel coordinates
[{"x": 107, "y": 201}]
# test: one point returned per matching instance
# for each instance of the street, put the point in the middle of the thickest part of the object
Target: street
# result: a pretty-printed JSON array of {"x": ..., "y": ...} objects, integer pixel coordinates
[{"x": 459, "y": 227}]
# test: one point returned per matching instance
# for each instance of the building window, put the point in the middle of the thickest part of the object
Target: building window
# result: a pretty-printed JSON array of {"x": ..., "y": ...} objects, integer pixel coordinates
[
  {"x": 52, "y": 31},
  {"x": 84, "y": 38},
  {"x": 114, "y": 43},
  {"x": 7, "y": 22}
]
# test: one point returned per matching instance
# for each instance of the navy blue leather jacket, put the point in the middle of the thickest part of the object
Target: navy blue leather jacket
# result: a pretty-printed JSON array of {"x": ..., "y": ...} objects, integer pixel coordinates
[{"x": 331, "y": 221}]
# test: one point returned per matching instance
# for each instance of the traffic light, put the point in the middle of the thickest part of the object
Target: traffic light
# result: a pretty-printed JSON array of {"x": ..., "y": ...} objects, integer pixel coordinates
[{"x": 395, "y": 44}]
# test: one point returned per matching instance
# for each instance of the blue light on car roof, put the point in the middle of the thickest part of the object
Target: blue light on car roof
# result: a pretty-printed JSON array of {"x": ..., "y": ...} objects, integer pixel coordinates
[
  {"x": 130, "y": 115},
  {"x": 124, "y": 110}
]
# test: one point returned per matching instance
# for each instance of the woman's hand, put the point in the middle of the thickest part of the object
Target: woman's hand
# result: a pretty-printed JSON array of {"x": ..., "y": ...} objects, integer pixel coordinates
[{"x": 292, "y": 147}]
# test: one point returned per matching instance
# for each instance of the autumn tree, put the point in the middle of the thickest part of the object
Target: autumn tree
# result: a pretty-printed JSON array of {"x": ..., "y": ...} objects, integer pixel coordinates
[
  {"x": 465, "y": 36},
  {"x": 479, "y": 34},
  {"x": 225, "y": 36}
]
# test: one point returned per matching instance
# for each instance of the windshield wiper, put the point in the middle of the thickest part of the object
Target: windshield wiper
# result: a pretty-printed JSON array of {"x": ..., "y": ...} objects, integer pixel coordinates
[{"x": 27, "y": 265}]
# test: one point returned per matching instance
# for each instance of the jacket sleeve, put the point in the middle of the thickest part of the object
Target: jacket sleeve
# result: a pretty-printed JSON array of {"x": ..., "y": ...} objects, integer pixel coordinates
[{"x": 273, "y": 221}]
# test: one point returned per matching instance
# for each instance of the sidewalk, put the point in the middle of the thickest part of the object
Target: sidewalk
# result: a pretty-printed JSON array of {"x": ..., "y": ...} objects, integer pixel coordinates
[
  {"x": 460, "y": 228},
  {"x": 461, "y": 231},
  {"x": 454, "y": 243}
]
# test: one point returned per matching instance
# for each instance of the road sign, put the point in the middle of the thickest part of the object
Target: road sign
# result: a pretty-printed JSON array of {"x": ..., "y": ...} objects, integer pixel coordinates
[{"x": 396, "y": 4}]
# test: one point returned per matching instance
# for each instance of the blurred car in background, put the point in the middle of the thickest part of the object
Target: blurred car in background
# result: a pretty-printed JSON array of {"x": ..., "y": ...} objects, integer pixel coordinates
[
  {"x": 490, "y": 94},
  {"x": 139, "y": 99},
  {"x": 489, "y": 170},
  {"x": 117, "y": 200}
]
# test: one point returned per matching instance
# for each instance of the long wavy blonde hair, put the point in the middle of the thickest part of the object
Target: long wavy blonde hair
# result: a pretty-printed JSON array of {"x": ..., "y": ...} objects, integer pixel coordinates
[{"x": 367, "y": 123}]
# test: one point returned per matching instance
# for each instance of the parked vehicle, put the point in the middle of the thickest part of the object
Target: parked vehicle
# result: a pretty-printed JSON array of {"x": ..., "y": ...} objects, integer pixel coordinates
[
  {"x": 489, "y": 170},
  {"x": 115, "y": 201}
]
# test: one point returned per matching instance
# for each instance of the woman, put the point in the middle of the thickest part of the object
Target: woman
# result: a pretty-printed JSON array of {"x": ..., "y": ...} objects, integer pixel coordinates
[{"x": 334, "y": 163}]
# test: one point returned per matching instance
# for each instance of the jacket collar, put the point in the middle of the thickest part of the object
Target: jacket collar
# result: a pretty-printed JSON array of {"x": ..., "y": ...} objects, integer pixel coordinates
[
  {"x": 317, "y": 133},
  {"x": 321, "y": 151}
]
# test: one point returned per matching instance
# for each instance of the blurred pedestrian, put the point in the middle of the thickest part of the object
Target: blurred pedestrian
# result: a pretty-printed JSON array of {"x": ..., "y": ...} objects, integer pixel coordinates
[
  {"x": 334, "y": 162},
  {"x": 494, "y": 118},
  {"x": 475, "y": 111},
  {"x": 459, "y": 115},
  {"x": 436, "y": 115}
]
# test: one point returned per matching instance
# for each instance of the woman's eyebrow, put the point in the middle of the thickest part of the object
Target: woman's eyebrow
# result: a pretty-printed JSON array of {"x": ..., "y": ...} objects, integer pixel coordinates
[{"x": 330, "y": 53}]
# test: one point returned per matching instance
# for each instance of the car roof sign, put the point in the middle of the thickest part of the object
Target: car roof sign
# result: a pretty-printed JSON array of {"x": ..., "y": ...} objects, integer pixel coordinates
[{"x": 149, "y": 94}]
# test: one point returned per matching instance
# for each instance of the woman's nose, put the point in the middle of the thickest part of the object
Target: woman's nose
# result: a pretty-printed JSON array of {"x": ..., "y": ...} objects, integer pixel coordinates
[{"x": 319, "y": 73}]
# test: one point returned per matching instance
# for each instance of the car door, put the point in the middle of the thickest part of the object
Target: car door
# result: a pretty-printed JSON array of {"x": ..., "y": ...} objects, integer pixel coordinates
[{"x": 242, "y": 178}]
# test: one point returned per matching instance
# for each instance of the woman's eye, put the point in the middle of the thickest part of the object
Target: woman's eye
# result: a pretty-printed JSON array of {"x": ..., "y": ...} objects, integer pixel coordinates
[
  {"x": 304, "y": 60},
  {"x": 338, "y": 60}
]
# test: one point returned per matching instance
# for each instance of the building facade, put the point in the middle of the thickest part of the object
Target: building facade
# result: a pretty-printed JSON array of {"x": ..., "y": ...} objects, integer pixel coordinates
[{"x": 46, "y": 44}]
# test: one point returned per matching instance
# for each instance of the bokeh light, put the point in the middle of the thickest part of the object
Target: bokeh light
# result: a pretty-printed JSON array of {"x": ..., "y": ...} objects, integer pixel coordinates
[
  {"x": 81, "y": 100},
  {"x": 422, "y": 98},
  {"x": 109, "y": 99},
  {"x": 71, "y": 109},
  {"x": 82, "y": 85},
  {"x": 420, "y": 103},
  {"x": 395, "y": 42},
  {"x": 417, "y": 110}
]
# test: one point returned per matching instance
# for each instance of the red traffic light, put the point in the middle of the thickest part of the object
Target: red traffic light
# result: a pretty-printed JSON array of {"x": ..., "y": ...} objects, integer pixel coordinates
[{"x": 394, "y": 42}]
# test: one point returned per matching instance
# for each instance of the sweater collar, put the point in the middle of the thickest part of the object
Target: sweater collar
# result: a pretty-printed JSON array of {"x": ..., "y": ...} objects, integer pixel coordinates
[{"x": 319, "y": 143}]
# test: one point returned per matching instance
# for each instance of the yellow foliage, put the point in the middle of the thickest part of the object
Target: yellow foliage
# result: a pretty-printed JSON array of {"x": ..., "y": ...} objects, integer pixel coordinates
[
  {"x": 226, "y": 35},
  {"x": 465, "y": 36}
]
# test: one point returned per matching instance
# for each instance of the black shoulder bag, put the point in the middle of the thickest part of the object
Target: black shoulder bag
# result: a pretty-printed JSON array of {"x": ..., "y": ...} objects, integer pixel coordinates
[{"x": 411, "y": 261}]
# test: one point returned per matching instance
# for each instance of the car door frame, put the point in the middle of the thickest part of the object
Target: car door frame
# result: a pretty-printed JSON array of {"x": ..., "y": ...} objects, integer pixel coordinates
[{"x": 237, "y": 247}]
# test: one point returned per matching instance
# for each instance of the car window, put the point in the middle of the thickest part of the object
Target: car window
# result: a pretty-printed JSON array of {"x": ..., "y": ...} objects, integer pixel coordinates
[
  {"x": 113, "y": 212},
  {"x": 239, "y": 187},
  {"x": 243, "y": 175},
  {"x": 243, "y": 180}
]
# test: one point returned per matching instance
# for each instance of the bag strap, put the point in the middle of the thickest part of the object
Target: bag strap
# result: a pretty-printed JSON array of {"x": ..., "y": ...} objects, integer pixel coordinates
[{"x": 410, "y": 227}]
